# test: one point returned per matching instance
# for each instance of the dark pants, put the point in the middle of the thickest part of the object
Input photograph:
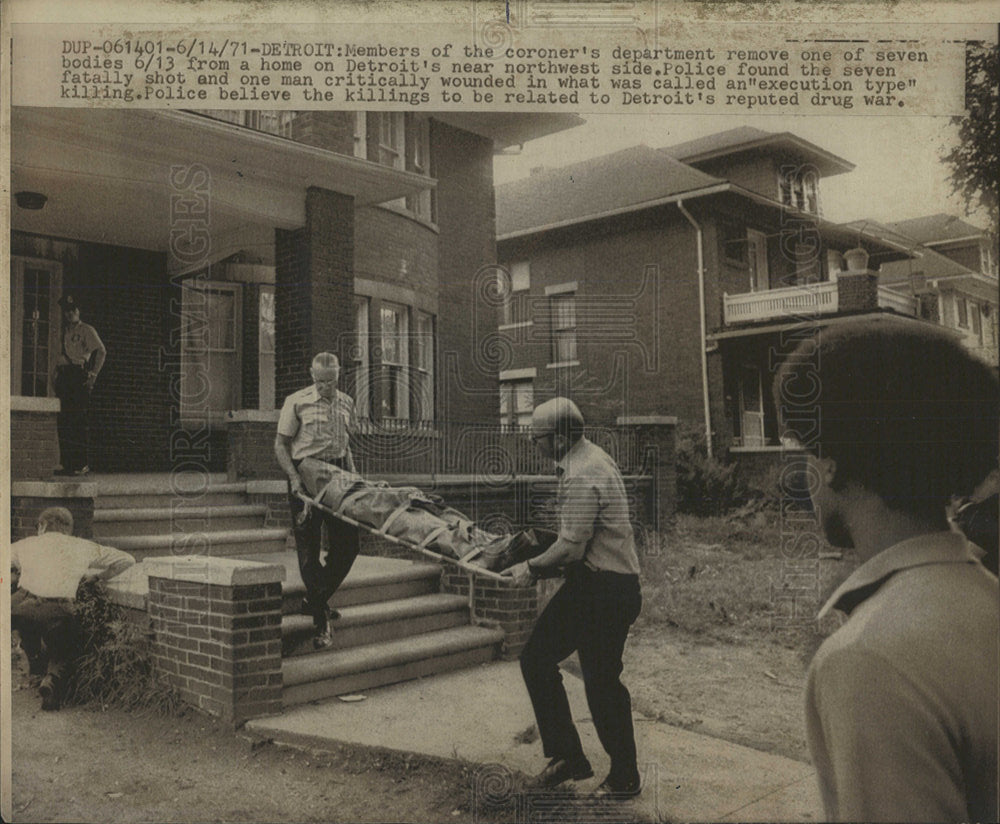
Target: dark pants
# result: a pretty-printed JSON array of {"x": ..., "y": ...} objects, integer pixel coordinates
[
  {"x": 49, "y": 630},
  {"x": 591, "y": 614},
  {"x": 322, "y": 578},
  {"x": 71, "y": 422}
]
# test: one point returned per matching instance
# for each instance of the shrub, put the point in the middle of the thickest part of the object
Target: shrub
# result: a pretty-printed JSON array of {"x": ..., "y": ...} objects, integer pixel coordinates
[
  {"x": 114, "y": 667},
  {"x": 705, "y": 486}
]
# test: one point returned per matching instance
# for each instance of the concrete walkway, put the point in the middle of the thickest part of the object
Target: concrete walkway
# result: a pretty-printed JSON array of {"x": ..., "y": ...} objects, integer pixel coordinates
[{"x": 480, "y": 714}]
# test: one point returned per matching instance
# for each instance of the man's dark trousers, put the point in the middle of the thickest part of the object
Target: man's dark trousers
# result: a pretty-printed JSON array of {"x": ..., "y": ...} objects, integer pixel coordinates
[
  {"x": 71, "y": 421},
  {"x": 591, "y": 614},
  {"x": 322, "y": 579},
  {"x": 50, "y": 632}
]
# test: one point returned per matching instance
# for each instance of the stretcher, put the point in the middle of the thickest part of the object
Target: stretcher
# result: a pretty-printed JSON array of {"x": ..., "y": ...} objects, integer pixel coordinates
[
  {"x": 409, "y": 517},
  {"x": 412, "y": 545}
]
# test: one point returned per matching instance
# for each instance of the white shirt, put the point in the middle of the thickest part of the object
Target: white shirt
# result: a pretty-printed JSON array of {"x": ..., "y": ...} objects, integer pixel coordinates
[{"x": 52, "y": 565}]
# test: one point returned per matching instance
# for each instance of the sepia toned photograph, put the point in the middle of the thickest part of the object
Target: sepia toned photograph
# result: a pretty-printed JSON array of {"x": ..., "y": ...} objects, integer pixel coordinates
[{"x": 501, "y": 412}]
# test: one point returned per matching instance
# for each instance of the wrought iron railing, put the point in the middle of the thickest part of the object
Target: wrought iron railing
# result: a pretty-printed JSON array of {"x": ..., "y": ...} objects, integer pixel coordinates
[{"x": 488, "y": 451}]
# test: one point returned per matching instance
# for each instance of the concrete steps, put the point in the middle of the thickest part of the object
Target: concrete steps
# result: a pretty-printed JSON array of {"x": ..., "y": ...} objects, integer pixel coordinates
[
  {"x": 336, "y": 672},
  {"x": 223, "y": 542},
  {"x": 378, "y": 622},
  {"x": 140, "y": 497},
  {"x": 395, "y": 623},
  {"x": 110, "y": 523}
]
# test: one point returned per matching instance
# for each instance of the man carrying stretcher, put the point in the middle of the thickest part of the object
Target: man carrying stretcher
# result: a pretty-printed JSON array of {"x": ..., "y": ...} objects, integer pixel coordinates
[{"x": 316, "y": 422}]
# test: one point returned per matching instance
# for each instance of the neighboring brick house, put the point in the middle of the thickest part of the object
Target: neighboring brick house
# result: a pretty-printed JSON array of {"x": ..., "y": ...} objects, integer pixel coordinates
[
  {"x": 671, "y": 281},
  {"x": 215, "y": 252},
  {"x": 953, "y": 275}
]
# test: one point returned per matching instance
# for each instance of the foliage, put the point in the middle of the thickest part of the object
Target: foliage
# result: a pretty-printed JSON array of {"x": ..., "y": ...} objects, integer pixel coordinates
[
  {"x": 705, "y": 486},
  {"x": 114, "y": 667},
  {"x": 717, "y": 579},
  {"x": 974, "y": 160}
]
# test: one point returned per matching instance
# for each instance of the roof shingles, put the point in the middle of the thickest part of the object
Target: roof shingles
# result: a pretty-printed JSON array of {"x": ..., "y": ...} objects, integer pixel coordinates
[{"x": 594, "y": 187}]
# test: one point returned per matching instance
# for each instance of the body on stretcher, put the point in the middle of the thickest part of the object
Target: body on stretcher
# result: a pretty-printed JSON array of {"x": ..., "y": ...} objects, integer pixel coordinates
[{"x": 422, "y": 522}]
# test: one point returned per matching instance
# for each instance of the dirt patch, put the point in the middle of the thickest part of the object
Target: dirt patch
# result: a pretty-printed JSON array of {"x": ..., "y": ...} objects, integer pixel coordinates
[
  {"x": 82, "y": 764},
  {"x": 750, "y": 695}
]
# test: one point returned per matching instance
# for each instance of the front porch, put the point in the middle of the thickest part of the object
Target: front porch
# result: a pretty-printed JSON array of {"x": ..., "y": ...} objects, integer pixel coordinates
[{"x": 817, "y": 299}]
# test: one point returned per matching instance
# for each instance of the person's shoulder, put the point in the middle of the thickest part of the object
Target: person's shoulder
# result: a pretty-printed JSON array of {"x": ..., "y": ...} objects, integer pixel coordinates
[
  {"x": 345, "y": 399},
  {"x": 306, "y": 394}
]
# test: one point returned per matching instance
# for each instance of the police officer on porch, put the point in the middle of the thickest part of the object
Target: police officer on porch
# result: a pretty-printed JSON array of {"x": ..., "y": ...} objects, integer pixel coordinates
[
  {"x": 79, "y": 364},
  {"x": 591, "y": 613},
  {"x": 316, "y": 422}
]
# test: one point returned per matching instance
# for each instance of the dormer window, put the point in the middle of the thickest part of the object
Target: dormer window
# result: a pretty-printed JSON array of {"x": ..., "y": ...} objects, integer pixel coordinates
[{"x": 799, "y": 188}]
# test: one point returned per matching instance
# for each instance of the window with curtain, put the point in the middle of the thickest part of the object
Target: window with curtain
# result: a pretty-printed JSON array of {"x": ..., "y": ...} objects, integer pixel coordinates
[
  {"x": 395, "y": 360},
  {"x": 517, "y": 400},
  {"x": 361, "y": 385},
  {"x": 563, "y": 308},
  {"x": 422, "y": 389},
  {"x": 515, "y": 308}
]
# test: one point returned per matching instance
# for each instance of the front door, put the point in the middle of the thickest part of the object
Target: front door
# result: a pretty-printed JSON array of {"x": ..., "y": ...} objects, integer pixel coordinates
[
  {"x": 751, "y": 406},
  {"x": 757, "y": 260},
  {"x": 35, "y": 325},
  {"x": 210, "y": 350}
]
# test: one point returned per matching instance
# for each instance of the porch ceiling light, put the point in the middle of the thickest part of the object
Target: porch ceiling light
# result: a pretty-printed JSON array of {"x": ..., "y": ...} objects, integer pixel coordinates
[{"x": 30, "y": 200}]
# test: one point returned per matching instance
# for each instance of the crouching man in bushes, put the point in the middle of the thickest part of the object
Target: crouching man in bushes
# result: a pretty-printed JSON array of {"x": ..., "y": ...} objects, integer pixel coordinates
[{"x": 47, "y": 570}]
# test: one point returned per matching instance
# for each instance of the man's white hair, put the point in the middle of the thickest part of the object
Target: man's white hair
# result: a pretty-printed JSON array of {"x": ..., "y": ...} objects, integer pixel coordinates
[{"x": 326, "y": 360}]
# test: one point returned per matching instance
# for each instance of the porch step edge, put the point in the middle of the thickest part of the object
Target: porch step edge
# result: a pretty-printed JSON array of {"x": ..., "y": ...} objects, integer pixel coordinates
[{"x": 322, "y": 666}]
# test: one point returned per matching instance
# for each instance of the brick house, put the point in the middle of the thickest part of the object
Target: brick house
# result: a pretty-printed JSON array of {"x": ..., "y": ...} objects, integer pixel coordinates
[
  {"x": 670, "y": 281},
  {"x": 953, "y": 275},
  {"x": 216, "y": 251}
]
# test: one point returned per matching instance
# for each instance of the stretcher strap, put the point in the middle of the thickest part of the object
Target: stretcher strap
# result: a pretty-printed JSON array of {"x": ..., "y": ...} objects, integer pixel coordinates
[
  {"x": 347, "y": 500},
  {"x": 399, "y": 510},
  {"x": 475, "y": 553},
  {"x": 430, "y": 536},
  {"x": 319, "y": 495}
]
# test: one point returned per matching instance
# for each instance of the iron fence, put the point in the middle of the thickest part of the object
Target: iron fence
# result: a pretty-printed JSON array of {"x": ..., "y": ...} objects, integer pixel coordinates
[{"x": 486, "y": 451}]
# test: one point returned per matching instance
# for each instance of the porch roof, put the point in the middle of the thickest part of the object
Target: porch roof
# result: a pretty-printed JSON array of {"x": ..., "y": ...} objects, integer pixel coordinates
[
  {"x": 816, "y": 323},
  {"x": 107, "y": 174}
]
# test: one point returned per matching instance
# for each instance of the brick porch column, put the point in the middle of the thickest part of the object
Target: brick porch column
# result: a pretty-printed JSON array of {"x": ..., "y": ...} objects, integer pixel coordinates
[
  {"x": 857, "y": 291},
  {"x": 314, "y": 288},
  {"x": 217, "y": 633},
  {"x": 656, "y": 437}
]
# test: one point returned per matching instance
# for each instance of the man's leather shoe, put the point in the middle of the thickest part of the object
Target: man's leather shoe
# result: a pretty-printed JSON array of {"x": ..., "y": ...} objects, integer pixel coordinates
[
  {"x": 560, "y": 770},
  {"x": 323, "y": 640},
  {"x": 616, "y": 790},
  {"x": 49, "y": 690}
]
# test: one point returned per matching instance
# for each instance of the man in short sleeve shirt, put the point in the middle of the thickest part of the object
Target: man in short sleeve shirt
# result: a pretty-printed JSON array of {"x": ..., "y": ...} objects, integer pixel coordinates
[
  {"x": 80, "y": 361},
  {"x": 316, "y": 422},
  {"x": 592, "y": 611}
]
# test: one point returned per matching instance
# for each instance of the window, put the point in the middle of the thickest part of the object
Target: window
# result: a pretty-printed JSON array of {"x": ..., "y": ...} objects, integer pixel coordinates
[
  {"x": 799, "y": 188},
  {"x": 35, "y": 324},
  {"x": 976, "y": 324},
  {"x": 563, "y": 327},
  {"x": 361, "y": 388},
  {"x": 272, "y": 122},
  {"x": 423, "y": 366},
  {"x": 265, "y": 349},
  {"x": 391, "y": 138},
  {"x": 418, "y": 159},
  {"x": 515, "y": 307},
  {"x": 756, "y": 244},
  {"x": 517, "y": 400},
  {"x": 986, "y": 261},
  {"x": 733, "y": 238},
  {"x": 361, "y": 135},
  {"x": 962, "y": 311},
  {"x": 395, "y": 361}
]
